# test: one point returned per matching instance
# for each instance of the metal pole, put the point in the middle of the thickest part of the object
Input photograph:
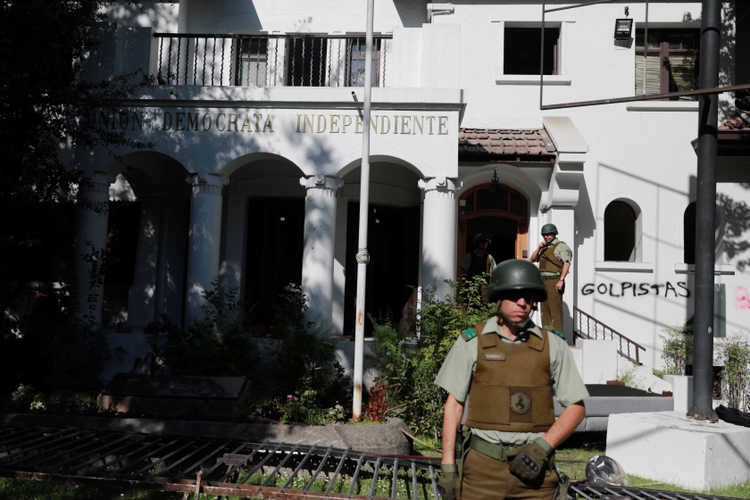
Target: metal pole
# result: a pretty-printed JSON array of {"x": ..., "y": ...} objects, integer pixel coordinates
[
  {"x": 363, "y": 257},
  {"x": 706, "y": 214}
]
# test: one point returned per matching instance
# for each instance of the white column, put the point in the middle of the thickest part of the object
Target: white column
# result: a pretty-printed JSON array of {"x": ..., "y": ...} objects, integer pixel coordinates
[
  {"x": 235, "y": 240},
  {"x": 91, "y": 243},
  {"x": 439, "y": 219},
  {"x": 319, "y": 246},
  {"x": 204, "y": 236},
  {"x": 339, "y": 267},
  {"x": 142, "y": 296}
]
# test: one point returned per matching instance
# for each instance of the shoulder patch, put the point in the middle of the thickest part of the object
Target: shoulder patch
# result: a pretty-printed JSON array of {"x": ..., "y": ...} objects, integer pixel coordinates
[{"x": 468, "y": 334}]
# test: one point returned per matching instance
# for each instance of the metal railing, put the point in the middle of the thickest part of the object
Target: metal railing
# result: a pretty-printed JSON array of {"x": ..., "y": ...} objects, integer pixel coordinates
[
  {"x": 269, "y": 60},
  {"x": 587, "y": 327}
]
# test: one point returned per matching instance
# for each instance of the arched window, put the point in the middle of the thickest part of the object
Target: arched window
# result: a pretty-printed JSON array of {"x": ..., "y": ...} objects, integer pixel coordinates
[{"x": 620, "y": 232}]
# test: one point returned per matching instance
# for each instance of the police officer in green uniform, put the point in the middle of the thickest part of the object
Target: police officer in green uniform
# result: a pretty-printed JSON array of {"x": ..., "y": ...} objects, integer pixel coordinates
[
  {"x": 510, "y": 370},
  {"x": 554, "y": 258}
]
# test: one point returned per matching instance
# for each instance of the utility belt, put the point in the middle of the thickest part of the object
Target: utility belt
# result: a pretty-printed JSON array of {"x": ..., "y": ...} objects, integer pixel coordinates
[
  {"x": 499, "y": 451},
  {"x": 555, "y": 277}
]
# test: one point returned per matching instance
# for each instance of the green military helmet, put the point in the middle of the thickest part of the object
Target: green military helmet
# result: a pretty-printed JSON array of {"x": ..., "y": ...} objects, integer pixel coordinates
[
  {"x": 549, "y": 229},
  {"x": 480, "y": 237},
  {"x": 513, "y": 275}
]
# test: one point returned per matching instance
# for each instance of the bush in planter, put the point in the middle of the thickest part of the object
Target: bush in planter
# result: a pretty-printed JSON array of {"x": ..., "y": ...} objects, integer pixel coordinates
[
  {"x": 735, "y": 354},
  {"x": 218, "y": 345},
  {"x": 304, "y": 366},
  {"x": 408, "y": 365},
  {"x": 678, "y": 349}
]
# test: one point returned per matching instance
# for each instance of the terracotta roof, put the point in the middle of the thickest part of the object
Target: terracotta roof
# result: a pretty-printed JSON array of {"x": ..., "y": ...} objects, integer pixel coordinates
[{"x": 488, "y": 144}]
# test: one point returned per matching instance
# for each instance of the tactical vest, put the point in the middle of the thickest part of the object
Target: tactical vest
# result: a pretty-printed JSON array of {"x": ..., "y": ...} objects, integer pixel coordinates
[
  {"x": 512, "y": 386},
  {"x": 548, "y": 261},
  {"x": 479, "y": 265}
]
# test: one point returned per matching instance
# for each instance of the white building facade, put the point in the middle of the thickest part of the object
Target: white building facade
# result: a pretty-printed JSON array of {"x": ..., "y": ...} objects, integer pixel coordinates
[{"x": 253, "y": 177}]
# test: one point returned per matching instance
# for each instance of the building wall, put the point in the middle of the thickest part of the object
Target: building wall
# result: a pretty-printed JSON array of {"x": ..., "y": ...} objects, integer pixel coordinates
[{"x": 452, "y": 67}]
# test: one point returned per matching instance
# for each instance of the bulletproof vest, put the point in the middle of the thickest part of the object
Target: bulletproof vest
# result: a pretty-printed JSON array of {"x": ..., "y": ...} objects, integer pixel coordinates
[
  {"x": 548, "y": 262},
  {"x": 478, "y": 264},
  {"x": 512, "y": 387}
]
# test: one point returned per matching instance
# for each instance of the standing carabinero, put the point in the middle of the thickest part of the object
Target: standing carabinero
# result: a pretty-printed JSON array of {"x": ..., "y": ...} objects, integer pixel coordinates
[
  {"x": 554, "y": 258},
  {"x": 505, "y": 372}
]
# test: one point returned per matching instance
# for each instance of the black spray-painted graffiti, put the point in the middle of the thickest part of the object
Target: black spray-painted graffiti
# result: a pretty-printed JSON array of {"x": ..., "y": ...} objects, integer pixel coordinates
[{"x": 627, "y": 289}]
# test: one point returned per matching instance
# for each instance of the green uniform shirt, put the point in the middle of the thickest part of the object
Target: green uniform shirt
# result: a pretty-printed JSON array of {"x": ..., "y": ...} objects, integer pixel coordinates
[
  {"x": 460, "y": 364},
  {"x": 562, "y": 252}
]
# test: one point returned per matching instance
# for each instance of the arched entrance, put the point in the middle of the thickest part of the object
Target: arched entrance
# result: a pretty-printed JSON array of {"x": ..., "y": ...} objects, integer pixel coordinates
[{"x": 502, "y": 211}]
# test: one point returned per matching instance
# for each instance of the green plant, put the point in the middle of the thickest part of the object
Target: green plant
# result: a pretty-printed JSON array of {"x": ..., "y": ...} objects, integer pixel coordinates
[
  {"x": 408, "y": 365},
  {"x": 49, "y": 350},
  {"x": 629, "y": 378},
  {"x": 218, "y": 345},
  {"x": 304, "y": 359},
  {"x": 377, "y": 404},
  {"x": 735, "y": 354},
  {"x": 678, "y": 348}
]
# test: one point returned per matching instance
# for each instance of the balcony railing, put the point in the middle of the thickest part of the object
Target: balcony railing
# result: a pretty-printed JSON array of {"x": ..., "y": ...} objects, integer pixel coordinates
[
  {"x": 588, "y": 327},
  {"x": 269, "y": 60}
]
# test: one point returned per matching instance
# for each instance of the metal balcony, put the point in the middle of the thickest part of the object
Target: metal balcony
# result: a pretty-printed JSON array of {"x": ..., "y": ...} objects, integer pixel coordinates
[{"x": 269, "y": 60}]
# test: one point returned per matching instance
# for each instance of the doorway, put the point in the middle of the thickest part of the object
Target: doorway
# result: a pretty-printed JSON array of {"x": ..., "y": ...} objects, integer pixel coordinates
[
  {"x": 499, "y": 210},
  {"x": 275, "y": 243},
  {"x": 393, "y": 271}
]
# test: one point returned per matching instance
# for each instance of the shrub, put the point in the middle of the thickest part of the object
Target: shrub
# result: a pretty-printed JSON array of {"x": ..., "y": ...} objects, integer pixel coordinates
[
  {"x": 218, "y": 345},
  {"x": 408, "y": 365},
  {"x": 735, "y": 354},
  {"x": 678, "y": 348},
  {"x": 49, "y": 350},
  {"x": 303, "y": 361},
  {"x": 377, "y": 404}
]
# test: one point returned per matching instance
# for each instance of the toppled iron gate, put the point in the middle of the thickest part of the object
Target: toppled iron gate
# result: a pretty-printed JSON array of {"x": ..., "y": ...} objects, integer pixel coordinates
[
  {"x": 240, "y": 469},
  {"x": 210, "y": 466}
]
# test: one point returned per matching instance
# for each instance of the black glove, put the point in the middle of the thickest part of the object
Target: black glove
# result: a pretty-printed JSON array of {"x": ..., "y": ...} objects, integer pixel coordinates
[
  {"x": 447, "y": 485},
  {"x": 530, "y": 461}
]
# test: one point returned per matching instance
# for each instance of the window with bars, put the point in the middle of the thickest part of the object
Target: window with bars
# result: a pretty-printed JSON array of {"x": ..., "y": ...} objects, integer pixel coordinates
[
  {"x": 356, "y": 53},
  {"x": 253, "y": 61},
  {"x": 669, "y": 63},
  {"x": 306, "y": 61}
]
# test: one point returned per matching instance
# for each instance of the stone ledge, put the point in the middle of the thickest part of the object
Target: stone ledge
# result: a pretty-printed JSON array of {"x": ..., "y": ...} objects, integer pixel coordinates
[{"x": 384, "y": 439}]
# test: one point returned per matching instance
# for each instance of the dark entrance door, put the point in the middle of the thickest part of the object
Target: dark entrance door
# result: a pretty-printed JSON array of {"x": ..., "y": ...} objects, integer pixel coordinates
[
  {"x": 504, "y": 232},
  {"x": 275, "y": 240},
  {"x": 393, "y": 243}
]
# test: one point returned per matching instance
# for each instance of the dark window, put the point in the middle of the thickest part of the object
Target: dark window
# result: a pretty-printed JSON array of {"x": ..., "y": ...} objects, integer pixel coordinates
[
  {"x": 688, "y": 234},
  {"x": 522, "y": 51},
  {"x": 619, "y": 232},
  {"x": 671, "y": 61},
  {"x": 253, "y": 56},
  {"x": 306, "y": 61}
]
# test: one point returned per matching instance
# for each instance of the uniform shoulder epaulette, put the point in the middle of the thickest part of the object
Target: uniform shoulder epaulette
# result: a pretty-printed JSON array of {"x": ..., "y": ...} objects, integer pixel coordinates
[
  {"x": 468, "y": 334},
  {"x": 555, "y": 332}
]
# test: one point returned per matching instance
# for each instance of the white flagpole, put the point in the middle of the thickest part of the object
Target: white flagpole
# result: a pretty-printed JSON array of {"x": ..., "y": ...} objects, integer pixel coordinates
[{"x": 363, "y": 257}]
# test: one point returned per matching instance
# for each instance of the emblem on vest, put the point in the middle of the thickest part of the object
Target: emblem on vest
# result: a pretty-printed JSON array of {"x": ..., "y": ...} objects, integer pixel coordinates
[
  {"x": 493, "y": 356},
  {"x": 520, "y": 402}
]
